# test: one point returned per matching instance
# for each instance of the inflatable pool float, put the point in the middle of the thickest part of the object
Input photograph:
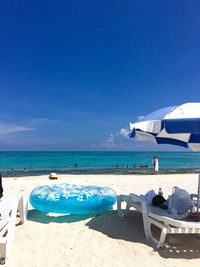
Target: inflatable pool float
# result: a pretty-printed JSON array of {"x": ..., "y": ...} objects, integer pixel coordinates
[{"x": 72, "y": 199}]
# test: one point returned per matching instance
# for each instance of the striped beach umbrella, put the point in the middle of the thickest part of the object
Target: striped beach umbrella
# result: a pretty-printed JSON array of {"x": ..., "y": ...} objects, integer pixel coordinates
[{"x": 174, "y": 125}]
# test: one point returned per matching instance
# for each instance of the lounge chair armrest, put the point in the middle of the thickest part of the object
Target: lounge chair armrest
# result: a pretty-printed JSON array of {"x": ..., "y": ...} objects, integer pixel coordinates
[
  {"x": 138, "y": 199},
  {"x": 132, "y": 200}
]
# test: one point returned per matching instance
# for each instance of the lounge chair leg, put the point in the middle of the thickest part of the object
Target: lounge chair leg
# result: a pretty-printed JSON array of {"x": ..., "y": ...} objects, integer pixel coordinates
[
  {"x": 162, "y": 238},
  {"x": 22, "y": 209},
  {"x": 119, "y": 208},
  {"x": 120, "y": 198},
  {"x": 3, "y": 253},
  {"x": 147, "y": 227},
  {"x": 2, "y": 261}
]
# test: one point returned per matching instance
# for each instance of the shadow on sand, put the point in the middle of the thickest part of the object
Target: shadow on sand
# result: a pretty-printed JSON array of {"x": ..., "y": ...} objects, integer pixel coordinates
[
  {"x": 42, "y": 217},
  {"x": 131, "y": 229}
]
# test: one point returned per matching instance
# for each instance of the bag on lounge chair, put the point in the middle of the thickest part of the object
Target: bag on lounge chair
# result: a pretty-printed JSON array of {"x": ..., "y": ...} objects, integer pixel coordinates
[
  {"x": 158, "y": 200},
  {"x": 179, "y": 202}
]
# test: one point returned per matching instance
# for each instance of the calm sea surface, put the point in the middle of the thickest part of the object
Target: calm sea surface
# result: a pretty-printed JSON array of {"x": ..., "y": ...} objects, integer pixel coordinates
[{"x": 15, "y": 163}]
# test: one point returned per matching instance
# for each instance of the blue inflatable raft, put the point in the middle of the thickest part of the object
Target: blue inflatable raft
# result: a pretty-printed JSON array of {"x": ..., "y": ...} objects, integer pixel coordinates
[{"x": 72, "y": 199}]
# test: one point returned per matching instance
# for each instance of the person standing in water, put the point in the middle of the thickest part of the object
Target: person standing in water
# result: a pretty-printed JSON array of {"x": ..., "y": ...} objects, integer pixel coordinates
[{"x": 155, "y": 164}]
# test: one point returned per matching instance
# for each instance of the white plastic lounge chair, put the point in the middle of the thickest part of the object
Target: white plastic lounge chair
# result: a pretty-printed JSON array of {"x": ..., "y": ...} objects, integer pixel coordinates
[
  {"x": 158, "y": 217},
  {"x": 10, "y": 208}
]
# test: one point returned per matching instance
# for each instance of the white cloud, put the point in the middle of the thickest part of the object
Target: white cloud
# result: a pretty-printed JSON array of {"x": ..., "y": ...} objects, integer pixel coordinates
[
  {"x": 140, "y": 117},
  {"x": 116, "y": 140},
  {"x": 111, "y": 138},
  {"x": 7, "y": 128},
  {"x": 124, "y": 132},
  {"x": 111, "y": 142}
]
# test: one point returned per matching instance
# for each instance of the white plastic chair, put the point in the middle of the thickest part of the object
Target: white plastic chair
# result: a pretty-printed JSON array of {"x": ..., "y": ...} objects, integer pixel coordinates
[{"x": 10, "y": 208}]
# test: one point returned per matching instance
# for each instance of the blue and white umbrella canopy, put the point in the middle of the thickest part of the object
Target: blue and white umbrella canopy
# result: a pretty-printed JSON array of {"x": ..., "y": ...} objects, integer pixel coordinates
[{"x": 175, "y": 125}]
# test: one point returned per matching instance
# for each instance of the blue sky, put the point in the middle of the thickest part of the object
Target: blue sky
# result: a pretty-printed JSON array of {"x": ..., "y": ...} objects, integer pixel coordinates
[{"x": 74, "y": 73}]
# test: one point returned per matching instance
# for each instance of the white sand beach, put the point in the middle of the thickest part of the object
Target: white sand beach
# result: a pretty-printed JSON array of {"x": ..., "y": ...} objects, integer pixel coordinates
[{"x": 101, "y": 241}]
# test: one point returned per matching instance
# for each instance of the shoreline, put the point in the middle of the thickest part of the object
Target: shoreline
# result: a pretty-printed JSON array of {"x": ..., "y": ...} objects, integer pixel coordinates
[{"x": 108, "y": 171}]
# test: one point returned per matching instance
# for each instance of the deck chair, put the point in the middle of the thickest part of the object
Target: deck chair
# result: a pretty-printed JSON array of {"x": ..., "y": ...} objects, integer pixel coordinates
[
  {"x": 158, "y": 217},
  {"x": 10, "y": 208}
]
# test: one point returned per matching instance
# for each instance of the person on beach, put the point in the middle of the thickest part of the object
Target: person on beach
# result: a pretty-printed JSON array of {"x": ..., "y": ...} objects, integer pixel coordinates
[
  {"x": 1, "y": 187},
  {"x": 155, "y": 164}
]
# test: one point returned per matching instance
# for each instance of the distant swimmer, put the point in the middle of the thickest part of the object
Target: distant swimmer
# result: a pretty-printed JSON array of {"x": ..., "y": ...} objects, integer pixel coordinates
[
  {"x": 25, "y": 170},
  {"x": 142, "y": 166}
]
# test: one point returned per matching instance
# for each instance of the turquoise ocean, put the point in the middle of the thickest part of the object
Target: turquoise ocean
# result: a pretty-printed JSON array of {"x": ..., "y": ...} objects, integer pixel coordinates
[{"x": 37, "y": 163}]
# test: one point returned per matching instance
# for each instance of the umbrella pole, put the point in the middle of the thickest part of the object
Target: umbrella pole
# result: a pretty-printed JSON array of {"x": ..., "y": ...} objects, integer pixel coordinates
[{"x": 198, "y": 193}]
